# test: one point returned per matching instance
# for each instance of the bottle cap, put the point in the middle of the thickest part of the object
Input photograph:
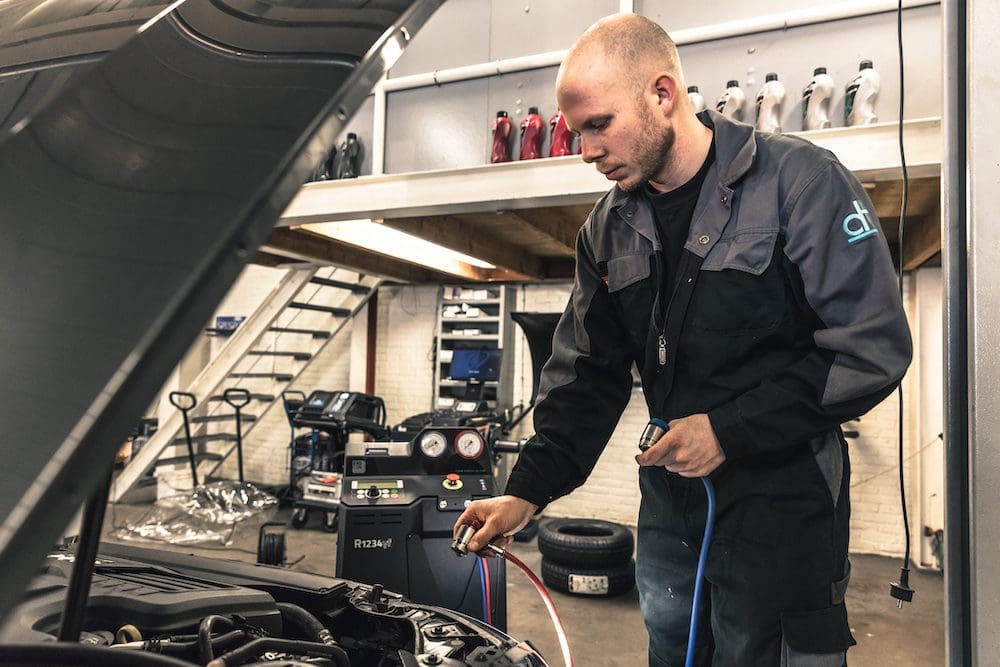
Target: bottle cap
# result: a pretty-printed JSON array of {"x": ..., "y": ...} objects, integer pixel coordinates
[
  {"x": 532, "y": 110},
  {"x": 819, "y": 70},
  {"x": 732, "y": 83},
  {"x": 771, "y": 76},
  {"x": 501, "y": 114},
  {"x": 865, "y": 64},
  {"x": 351, "y": 135},
  {"x": 692, "y": 89}
]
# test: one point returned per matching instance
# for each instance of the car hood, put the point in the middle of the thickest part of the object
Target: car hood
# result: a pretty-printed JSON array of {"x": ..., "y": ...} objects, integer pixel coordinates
[{"x": 145, "y": 153}]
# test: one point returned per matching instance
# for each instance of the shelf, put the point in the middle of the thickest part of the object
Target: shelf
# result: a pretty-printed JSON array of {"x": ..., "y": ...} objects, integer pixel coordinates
[
  {"x": 871, "y": 152},
  {"x": 465, "y": 320},
  {"x": 479, "y": 337},
  {"x": 473, "y": 302},
  {"x": 462, "y": 383}
]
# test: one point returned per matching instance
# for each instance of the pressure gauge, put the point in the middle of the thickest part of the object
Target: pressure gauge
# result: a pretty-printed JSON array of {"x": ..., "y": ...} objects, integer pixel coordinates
[
  {"x": 470, "y": 444},
  {"x": 433, "y": 444}
]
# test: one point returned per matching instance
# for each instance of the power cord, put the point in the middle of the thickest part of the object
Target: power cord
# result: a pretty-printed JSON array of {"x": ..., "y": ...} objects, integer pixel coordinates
[{"x": 901, "y": 590}]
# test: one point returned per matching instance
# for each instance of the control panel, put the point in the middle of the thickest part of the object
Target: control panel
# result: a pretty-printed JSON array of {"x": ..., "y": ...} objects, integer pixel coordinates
[{"x": 450, "y": 465}]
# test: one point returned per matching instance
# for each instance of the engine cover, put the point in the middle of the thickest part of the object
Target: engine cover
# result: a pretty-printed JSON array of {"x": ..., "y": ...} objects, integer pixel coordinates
[{"x": 154, "y": 599}]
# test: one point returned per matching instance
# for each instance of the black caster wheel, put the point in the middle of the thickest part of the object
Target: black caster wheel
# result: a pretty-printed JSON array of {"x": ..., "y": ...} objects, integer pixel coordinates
[
  {"x": 330, "y": 522},
  {"x": 300, "y": 515}
]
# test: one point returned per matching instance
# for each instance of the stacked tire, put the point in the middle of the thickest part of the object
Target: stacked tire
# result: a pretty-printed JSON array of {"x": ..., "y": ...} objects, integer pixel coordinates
[{"x": 587, "y": 556}]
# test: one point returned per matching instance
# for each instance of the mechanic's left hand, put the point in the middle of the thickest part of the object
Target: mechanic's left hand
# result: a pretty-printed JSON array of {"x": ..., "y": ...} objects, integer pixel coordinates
[{"x": 689, "y": 448}]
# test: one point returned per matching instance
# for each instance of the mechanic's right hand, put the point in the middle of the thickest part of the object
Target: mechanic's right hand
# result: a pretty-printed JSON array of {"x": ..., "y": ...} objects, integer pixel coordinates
[{"x": 495, "y": 520}]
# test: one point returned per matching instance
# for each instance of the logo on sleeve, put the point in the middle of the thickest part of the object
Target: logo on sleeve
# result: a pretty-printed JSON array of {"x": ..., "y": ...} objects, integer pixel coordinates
[{"x": 858, "y": 225}]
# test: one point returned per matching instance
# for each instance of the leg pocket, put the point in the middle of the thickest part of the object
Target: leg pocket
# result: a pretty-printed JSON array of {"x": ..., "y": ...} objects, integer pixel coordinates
[{"x": 815, "y": 638}]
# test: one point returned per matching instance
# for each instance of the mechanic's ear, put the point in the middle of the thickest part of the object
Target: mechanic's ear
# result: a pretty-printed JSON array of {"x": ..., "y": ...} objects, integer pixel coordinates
[{"x": 666, "y": 92}]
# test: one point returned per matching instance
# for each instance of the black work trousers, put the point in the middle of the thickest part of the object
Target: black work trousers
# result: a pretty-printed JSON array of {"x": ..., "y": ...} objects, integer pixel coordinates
[{"x": 777, "y": 567}]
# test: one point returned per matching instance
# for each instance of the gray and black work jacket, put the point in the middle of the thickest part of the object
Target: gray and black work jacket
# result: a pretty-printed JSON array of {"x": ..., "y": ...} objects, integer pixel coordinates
[{"x": 783, "y": 321}]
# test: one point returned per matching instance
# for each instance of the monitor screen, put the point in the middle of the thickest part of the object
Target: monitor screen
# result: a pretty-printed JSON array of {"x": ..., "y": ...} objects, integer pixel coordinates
[{"x": 475, "y": 365}]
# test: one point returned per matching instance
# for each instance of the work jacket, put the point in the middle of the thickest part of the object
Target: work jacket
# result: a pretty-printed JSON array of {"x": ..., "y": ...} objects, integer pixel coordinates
[{"x": 783, "y": 319}]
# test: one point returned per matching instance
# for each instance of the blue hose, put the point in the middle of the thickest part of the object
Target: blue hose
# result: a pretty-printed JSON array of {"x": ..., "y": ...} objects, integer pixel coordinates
[
  {"x": 482, "y": 586},
  {"x": 700, "y": 576}
]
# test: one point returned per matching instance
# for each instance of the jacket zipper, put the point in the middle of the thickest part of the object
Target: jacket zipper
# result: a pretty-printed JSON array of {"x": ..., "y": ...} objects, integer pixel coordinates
[{"x": 661, "y": 339}]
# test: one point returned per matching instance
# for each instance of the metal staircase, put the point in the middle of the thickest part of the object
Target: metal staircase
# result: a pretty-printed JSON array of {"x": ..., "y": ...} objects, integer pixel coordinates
[{"x": 265, "y": 354}]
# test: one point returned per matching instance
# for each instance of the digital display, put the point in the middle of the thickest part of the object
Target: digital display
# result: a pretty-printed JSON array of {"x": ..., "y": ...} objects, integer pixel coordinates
[
  {"x": 381, "y": 485},
  {"x": 475, "y": 364}
]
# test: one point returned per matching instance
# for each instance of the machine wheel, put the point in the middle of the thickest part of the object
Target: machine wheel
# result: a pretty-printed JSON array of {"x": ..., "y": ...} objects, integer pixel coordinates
[
  {"x": 597, "y": 582},
  {"x": 330, "y": 522},
  {"x": 585, "y": 542},
  {"x": 527, "y": 533},
  {"x": 300, "y": 515}
]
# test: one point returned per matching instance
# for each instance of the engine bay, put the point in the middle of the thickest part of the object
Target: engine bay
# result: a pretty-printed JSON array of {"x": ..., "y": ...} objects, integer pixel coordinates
[{"x": 217, "y": 612}]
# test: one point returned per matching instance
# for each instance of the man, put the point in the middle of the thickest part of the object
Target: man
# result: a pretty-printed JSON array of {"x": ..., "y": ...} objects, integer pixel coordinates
[{"x": 747, "y": 278}]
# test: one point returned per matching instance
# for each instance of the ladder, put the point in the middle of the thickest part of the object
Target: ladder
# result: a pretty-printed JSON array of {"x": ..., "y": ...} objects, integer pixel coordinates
[{"x": 265, "y": 355}]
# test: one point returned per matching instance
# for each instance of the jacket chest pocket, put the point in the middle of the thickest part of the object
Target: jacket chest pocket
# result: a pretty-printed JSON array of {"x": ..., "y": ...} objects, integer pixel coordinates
[
  {"x": 740, "y": 290},
  {"x": 632, "y": 291}
]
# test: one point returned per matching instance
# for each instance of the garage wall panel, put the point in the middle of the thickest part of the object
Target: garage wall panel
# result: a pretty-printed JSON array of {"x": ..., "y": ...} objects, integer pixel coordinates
[{"x": 437, "y": 128}]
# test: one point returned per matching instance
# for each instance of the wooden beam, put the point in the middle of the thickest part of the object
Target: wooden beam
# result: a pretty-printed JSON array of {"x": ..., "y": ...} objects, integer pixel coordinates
[
  {"x": 267, "y": 259},
  {"x": 560, "y": 224},
  {"x": 304, "y": 245},
  {"x": 921, "y": 239},
  {"x": 457, "y": 233}
]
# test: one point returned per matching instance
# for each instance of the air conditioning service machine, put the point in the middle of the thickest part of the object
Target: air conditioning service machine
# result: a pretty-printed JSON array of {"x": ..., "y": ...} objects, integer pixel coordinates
[{"x": 399, "y": 503}]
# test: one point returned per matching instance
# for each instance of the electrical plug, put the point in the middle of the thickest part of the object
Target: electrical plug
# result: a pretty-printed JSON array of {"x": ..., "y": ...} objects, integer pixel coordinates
[{"x": 901, "y": 590}]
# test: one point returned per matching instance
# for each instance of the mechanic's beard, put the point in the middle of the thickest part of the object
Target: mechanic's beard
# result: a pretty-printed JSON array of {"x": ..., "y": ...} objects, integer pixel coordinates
[{"x": 652, "y": 155}]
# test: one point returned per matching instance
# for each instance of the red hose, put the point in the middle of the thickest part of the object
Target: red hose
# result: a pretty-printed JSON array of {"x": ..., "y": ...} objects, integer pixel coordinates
[{"x": 540, "y": 587}]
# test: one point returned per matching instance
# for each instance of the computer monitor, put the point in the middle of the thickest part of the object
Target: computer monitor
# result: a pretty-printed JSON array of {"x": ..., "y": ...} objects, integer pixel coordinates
[{"x": 479, "y": 365}]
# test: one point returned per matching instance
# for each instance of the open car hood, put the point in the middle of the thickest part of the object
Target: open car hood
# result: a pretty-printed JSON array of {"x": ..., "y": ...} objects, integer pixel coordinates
[{"x": 146, "y": 151}]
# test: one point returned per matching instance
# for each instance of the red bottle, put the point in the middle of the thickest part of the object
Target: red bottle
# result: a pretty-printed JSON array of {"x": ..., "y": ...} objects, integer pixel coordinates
[
  {"x": 561, "y": 139},
  {"x": 532, "y": 133},
  {"x": 501, "y": 138}
]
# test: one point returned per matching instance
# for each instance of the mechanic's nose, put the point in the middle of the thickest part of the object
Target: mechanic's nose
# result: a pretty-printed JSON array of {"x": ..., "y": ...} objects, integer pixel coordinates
[{"x": 590, "y": 150}]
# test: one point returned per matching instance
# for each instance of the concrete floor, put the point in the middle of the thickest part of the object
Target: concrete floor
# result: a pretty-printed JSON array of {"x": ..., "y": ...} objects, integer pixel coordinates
[{"x": 609, "y": 631}]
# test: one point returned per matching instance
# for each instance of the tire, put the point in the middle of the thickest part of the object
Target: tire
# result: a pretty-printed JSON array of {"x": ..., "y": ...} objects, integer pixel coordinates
[
  {"x": 588, "y": 543},
  {"x": 300, "y": 515},
  {"x": 527, "y": 533},
  {"x": 330, "y": 522},
  {"x": 592, "y": 582}
]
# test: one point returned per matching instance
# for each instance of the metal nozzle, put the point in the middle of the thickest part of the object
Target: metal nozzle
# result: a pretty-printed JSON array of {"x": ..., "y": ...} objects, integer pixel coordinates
[
  {"x": 460, "y": 545},
  {"x": 654, "y": 431}
]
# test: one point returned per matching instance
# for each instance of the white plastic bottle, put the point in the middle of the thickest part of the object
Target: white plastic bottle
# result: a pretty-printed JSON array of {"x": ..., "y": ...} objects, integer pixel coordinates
[
  {"x": 732, "y": 101},
  {"x": 862, "y": 92},
  {"x": 697, "y": 101},
  {"x": 816, "y": 101},
  {"x": 770, "y": 100}
]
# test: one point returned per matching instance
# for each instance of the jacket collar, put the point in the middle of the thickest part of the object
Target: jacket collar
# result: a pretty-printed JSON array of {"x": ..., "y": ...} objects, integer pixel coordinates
[{"x": 735, "y": 150}]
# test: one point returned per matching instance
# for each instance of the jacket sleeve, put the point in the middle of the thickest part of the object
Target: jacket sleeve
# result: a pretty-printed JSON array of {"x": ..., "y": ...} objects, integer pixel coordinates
[
  {"x": 584, "y": 388},
  {"x": 862, "y": 342}
]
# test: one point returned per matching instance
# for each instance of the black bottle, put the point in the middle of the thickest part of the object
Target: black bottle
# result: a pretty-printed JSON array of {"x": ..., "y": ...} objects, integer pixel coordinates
[{"x": 349, "y": 164}]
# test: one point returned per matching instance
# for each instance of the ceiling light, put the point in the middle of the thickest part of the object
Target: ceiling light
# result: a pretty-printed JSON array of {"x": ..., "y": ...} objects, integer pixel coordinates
[{"x": 385, "y": 240}]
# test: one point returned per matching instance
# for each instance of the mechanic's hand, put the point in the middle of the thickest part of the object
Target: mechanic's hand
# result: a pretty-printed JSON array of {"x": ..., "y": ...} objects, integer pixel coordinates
[
  {"x": 689, "y": 448},
  {"x": 495, "y": 520}
]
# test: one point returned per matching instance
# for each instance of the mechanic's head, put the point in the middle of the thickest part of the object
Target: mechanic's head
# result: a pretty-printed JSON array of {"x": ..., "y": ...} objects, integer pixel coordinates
[{"x": 621, "y": 87}]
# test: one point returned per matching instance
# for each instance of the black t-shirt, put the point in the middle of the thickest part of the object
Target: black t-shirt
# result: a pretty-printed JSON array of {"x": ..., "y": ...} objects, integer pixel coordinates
[{"x": 673, "y": 211}]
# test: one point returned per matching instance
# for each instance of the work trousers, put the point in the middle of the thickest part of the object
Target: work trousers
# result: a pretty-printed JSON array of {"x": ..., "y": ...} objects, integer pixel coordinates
[{"x": 777, "y": 566}]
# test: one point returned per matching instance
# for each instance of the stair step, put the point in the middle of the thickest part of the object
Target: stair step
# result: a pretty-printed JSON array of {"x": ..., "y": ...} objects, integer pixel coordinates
[
  {"x": 333, "y": 310},
  {"x": 280, "y": 377},
  {"x": 329, "y": 282},
  {"x": 298, "y": 356},
  {"x": 221, "y": 418},
  {"x": 208, "y": 437},
  {"x": 183, "y": 460},
  {"x": 263, "y": 398},
  {"x": 315, "y": 333}
]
